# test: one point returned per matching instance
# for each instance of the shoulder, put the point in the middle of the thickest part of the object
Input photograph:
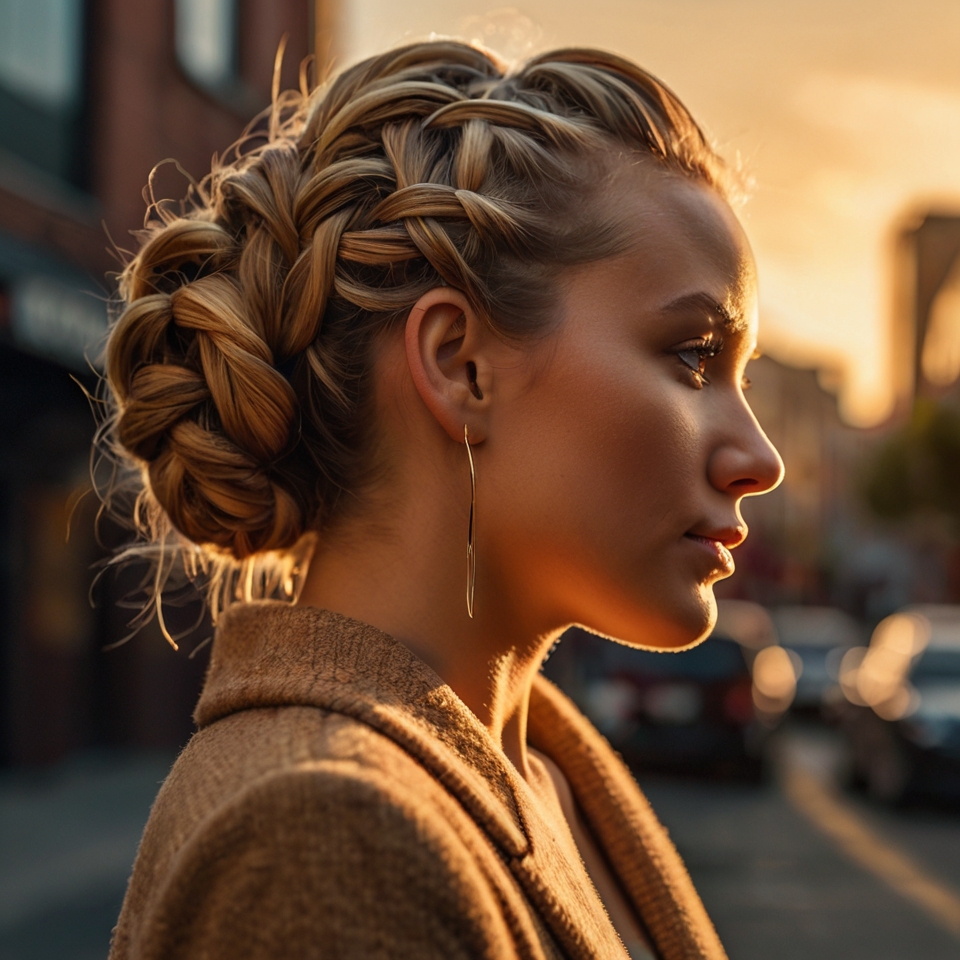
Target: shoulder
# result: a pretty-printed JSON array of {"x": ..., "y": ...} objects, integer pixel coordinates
[
  {"x": 335, "y": 849},
  {"x": 327, "y": 823}
]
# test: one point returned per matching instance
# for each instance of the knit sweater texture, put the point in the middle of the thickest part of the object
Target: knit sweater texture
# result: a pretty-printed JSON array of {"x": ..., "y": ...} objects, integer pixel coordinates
[{"x": 340, "y": 801}]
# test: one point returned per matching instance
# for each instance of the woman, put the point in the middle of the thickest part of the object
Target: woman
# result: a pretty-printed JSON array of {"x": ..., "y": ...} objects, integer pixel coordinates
[{"x": 439, "y": 310}]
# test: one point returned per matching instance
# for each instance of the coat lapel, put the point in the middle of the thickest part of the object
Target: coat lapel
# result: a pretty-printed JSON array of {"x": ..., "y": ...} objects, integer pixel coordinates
[
  {"x": 636, "y": 844},
  {"x": 560, "y": 888}
]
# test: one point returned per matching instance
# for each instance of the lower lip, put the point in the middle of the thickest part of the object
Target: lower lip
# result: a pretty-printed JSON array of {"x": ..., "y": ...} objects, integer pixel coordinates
[{"x": 718, "y": 552}]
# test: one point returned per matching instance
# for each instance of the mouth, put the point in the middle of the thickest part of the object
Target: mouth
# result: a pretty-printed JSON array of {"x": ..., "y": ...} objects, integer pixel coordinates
[{"x": 719, "y": 546}]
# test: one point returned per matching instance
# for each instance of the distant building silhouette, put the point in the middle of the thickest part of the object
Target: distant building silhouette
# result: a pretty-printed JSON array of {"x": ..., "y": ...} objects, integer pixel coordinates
[{"x": 927, "y": 311}]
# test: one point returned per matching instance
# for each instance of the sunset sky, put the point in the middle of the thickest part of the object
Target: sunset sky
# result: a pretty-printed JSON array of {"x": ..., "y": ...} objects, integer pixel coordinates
[{"x": 845, "y": 114}]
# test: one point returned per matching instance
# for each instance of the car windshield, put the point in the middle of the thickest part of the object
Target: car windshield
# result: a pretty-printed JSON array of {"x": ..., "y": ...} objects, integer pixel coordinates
[
  {"x": 937, "y": 665},
  {"x": 715, "y": 659}
]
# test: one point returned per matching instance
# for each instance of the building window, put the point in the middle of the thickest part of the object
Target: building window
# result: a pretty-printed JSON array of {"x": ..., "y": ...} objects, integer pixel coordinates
[
  {"x": 41, "y": 83},
  {"x": 206, "y": 42}
]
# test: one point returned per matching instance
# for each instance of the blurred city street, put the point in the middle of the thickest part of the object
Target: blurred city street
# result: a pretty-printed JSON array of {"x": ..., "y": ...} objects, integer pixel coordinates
[
  {"x": 67, "y": 840},
  {"x": 806, "y": 757},
  {"x": 775, "y": 881},
  {"x": 777, "y": 885}
]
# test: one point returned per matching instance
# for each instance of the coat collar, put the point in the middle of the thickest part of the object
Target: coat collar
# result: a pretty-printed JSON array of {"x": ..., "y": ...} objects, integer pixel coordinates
[{"x": 268, "y": 654}]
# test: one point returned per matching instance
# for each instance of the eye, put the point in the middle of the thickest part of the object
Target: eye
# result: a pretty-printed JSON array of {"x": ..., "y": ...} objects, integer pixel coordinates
[{"x": 695, "y": 355}]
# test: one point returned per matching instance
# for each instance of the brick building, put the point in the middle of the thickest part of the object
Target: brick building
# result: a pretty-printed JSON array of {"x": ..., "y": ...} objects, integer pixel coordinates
[{"x": 93, "y": 93}]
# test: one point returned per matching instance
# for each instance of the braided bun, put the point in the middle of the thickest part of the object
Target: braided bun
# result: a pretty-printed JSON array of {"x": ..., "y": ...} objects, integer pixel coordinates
[{"x": 239, "y": 365}]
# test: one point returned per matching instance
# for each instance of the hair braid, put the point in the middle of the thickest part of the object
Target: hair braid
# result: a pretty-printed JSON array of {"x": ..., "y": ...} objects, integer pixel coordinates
[{"x": 240, "y": 364}]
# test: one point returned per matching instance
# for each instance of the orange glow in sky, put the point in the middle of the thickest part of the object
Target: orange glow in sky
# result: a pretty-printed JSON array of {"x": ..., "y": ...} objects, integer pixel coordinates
[{"x": 845, "y": 115}]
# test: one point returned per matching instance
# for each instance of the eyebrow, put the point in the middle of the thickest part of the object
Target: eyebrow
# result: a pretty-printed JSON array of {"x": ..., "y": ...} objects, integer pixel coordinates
[{"x": 730, "y": 321}]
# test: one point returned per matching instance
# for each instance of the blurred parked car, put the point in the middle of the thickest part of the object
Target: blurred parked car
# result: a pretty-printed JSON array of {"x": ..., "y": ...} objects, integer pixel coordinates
[
  {"x": 902, "y": 711},
  {"x": 696, "y": 711},
  {"x": 819, "y": 637}
]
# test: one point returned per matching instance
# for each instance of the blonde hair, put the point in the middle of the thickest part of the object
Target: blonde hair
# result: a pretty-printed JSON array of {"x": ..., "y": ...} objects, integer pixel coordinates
[{"x": 239, "y": 366}]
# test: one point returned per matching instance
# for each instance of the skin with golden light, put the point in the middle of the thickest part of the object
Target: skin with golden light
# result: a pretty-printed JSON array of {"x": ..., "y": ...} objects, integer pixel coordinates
[
  {"x": 621, "y": 464},
  {"x": 611, "y": 453}
]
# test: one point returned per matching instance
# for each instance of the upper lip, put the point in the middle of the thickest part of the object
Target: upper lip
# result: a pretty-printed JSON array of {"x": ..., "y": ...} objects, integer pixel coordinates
[{"x": 730, "y": 536}]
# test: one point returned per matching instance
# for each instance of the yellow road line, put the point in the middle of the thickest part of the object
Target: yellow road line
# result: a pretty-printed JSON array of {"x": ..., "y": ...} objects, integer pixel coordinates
[{"x": 840, "y": 822}]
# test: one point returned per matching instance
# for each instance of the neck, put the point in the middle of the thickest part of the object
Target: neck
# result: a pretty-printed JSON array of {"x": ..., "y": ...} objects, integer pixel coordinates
[{"x": 409, "y": 580}]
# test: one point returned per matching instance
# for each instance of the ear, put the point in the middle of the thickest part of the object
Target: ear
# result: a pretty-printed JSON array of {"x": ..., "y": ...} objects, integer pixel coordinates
[{"x": 444, "y": 340}]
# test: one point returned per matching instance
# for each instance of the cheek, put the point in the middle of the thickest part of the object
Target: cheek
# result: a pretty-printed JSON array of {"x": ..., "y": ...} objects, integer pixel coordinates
[
  {"x": 606, "y": 461},
  {"x": 591, "y": 515},
  {"x": 638, "y": 461}
]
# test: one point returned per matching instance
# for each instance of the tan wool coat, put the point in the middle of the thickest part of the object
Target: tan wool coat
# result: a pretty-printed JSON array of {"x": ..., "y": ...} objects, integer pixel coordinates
[{"x": 340, "y": 801}]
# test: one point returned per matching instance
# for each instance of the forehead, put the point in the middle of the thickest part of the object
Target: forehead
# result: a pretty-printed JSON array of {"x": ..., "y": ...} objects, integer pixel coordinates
[{"x": 682, "y": 242}]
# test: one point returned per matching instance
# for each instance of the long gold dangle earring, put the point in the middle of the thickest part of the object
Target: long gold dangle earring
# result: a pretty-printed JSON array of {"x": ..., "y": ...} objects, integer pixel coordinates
[{"x": 471, "y": 529}]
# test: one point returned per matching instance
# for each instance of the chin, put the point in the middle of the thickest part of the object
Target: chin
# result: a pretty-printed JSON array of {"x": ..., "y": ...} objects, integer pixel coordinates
[{"x": 672, "y": 626}]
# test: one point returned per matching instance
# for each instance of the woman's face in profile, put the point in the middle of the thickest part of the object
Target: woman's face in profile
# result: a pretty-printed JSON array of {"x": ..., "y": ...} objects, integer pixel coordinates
[{"x": 612, "y": 477}]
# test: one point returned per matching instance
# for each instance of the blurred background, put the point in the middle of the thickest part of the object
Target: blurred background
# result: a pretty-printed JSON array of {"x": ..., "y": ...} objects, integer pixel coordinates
[{"x": 807, "y": 757}]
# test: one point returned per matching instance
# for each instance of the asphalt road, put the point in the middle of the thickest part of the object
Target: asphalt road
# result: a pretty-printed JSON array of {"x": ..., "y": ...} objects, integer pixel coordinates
[
  {"x": 67, "y": 840},
  {"x": 781, "y": 878},
  {"x": 793, "y": 869}
]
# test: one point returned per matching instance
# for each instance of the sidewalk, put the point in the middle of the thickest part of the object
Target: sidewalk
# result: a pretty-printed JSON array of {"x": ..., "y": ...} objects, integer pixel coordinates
[{"x": 68, "y": 837}]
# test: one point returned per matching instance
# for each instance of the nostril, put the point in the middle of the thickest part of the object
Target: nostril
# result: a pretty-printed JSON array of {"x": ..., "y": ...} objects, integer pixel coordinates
[{"x": 745, "y": 482}]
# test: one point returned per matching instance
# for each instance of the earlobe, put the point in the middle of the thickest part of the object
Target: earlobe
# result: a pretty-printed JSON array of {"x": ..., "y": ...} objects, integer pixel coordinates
[{"x": 441, "y": 340}]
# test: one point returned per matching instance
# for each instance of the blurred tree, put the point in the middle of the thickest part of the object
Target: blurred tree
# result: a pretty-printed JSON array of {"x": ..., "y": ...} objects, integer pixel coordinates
[{"x": 916, "y": 472}]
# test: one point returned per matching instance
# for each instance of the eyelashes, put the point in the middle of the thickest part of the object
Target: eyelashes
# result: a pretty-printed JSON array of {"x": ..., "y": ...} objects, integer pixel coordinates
[{"x": 694, "y": 355}]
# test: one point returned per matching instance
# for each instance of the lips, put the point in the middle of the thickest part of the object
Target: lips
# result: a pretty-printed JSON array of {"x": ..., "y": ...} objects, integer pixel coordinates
[
  {"x": 730, "y": 537},
  {"x": 720, "y": 553},
  {"x": 719, "y": 541}
]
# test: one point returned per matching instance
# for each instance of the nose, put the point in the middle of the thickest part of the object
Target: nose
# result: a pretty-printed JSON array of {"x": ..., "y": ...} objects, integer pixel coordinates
[{"x": 745, "y": 463}]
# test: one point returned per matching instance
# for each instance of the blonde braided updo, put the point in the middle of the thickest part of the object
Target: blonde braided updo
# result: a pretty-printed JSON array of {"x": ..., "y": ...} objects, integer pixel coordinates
[{"x": 239, "y": 364}]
